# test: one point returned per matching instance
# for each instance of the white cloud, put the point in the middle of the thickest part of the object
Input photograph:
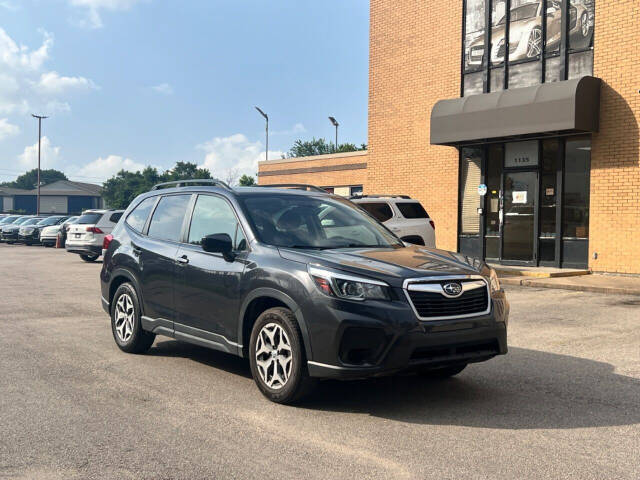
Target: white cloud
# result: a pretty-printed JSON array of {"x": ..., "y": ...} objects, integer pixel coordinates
[
  {"x": 93, "y": 9},
  {"x": 104, "y": 168},
  {"x": 52, "y": 83},
  {"x": 234, "y": 153},
  {"x": 19, "y": 56},
  {"x": 50, "y": 156},
  {"x": 297, "y": 128},
  {"x": 9, "y": 5},
  {"x": 163, "y": 89},
  {"x": 7, "y": 129}
]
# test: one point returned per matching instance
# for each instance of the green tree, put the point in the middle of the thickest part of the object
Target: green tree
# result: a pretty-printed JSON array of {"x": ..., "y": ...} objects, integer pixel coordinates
[
  {"x": 246, "y": 181},
  {"x": 122, "y": 188},
  {"x": 320, "y": 146},
  {"x": 29, "y": 180}
]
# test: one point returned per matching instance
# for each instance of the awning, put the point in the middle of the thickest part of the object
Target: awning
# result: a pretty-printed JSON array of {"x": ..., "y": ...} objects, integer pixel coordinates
[{"x": 557, "y": 107}]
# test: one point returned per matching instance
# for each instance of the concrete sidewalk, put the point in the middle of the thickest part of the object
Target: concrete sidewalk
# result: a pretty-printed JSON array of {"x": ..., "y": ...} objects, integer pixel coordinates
[{"x": 599, "y": 283}]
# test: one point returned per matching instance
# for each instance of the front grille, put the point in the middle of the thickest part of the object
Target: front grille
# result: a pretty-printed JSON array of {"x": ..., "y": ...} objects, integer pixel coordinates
[{"x": 434, "y": 305}]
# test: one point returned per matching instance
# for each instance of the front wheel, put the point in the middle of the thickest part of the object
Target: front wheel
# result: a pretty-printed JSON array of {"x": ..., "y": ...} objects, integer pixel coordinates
[
  {"x": 89, "y": 258},
  {"x": 276, "y": 354},
  {"x": 125, "y": 321}
]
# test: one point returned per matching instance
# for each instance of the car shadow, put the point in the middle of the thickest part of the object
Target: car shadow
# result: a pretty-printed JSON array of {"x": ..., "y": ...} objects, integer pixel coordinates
[{"x": 526, "y": 389}]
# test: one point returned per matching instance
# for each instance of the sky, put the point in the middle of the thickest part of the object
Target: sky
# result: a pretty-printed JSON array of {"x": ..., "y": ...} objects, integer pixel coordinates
[{"x": 131, "y": 83}]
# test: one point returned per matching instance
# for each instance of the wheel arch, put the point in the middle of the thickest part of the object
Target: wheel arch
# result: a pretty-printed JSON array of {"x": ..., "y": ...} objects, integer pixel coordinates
[
  {"x": 120, "y": 276},
  {"x": 257, "y": 302}
]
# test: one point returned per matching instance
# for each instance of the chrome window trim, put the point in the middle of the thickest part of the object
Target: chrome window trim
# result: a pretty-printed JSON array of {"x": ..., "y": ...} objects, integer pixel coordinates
[{"x": 408, "y": 283}]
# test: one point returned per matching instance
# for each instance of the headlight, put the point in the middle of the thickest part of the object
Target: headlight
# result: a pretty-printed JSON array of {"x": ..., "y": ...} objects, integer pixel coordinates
[
  {"x": 493, "y": 281},
  {"x": 336, "y": 284}
]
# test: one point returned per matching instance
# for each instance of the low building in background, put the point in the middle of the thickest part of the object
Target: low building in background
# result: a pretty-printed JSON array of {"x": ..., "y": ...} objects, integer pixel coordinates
[{"x": 63, "y": 197}]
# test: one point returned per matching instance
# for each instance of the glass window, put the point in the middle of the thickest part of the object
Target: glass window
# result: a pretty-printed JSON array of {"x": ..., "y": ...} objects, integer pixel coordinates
[
  {"x": 328, "y": 189},
  {"x": 525, "y": 31},
  {"x": 213, "y": 215},
  {"x": 115, "y": 217},
  {"x": 412, "y": 210},
  {"x": 166, "y": 222},
  {"x": 492, "y": 199},
  {"x": 498, "y": 21},
  {"x": 473, "y": 84},
  {"x": 138, "y": 217},
  {"x": 470, "y": 202},
  {"x": 581, "y": 23},
  {"x": 554, "y": 26},
  {"x": 549, "y": 199},
  {"x": 316, "y": 222},
  {"x": 577, "y": 164},
  {"x": 474, "y": 34},
  {"x": 525, "y": 74},
  {"x": 89, "y": 219},
  {"x": 379, "y": 210},
  {"x": 580, "y": 64},
  {"x": 356, "y": 190}
]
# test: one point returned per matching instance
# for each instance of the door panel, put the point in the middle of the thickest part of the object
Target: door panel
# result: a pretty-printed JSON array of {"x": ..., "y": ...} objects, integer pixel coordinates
[{"x": 518, "y": 232}]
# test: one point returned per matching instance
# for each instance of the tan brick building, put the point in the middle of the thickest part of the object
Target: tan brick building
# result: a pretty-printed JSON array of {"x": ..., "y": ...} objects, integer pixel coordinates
[{"x": 535, "y": 101}]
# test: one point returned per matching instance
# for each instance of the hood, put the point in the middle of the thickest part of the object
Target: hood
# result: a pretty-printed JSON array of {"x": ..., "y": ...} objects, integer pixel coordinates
[{"x": 390, "y": 265}]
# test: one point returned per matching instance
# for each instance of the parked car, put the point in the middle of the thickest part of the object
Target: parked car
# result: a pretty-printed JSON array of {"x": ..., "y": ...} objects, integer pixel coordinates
[
  {"x": 30, "y": 234},
  {"x": 49, "y": 235},
  {"x": 10, "y": 232},
  {"x": 85, "y": 237},
  {"x": 256, "y": 272},
  {"x": 404, "y": 216},
  {"x": 8, "y": 219},
  {"x": 525, "y": 32},
  {"x": 12, "y": 220}
]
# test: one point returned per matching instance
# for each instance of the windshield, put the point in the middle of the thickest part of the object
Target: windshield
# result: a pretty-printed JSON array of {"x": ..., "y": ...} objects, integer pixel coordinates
[
  {"x": 6, "y": 220},
  {"x": 50, "y": 221},
  {"x": 31, "y": 221},
  {"x": 314, "y": 222},
  {"x": 20, "y": 221},
  {"x": 523, "y": 12}
]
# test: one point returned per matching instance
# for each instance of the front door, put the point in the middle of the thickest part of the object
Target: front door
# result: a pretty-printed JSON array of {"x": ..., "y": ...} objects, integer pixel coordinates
[{"x": 519, "y": 217}]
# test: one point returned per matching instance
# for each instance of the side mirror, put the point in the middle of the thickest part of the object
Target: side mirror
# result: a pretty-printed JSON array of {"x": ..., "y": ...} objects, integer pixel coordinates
[{"x": 219, "y": 243}]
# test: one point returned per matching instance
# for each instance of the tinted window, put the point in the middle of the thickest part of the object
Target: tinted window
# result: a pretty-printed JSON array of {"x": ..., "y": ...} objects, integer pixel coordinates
[
  {"x": 115, "y": 217},
  {"x": 166, "y": 222},
  {"x": 412, "y": 210},
  {"x": 138, "y": 217},
  {"x": 381, "y": 211},
  {"x": 213, "y": 215},
  {"x": 89, "y": 219},
  {"x": 51, "y": 221}
]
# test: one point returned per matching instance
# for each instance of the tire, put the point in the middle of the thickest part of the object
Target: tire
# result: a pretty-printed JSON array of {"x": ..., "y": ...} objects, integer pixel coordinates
[
  {"x": 125, "y": 321},
  {"x": 443, "y": 372},
  {"x": 89, "y": 258},
  {"x": 277, "y": 327}
]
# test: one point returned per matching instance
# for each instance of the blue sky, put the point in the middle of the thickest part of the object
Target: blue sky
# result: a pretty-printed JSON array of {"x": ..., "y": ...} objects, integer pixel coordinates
[{"x": 130, "y": 83}]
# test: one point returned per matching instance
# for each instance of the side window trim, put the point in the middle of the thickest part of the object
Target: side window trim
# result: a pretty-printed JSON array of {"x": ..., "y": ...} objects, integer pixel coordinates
[
  {"x": 145, "y": 229},
  {"x": 190, "y": 220}
]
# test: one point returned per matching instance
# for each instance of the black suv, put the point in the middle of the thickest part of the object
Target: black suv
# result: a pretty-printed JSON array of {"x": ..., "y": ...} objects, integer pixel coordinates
[{"x": 305, "y": 284}]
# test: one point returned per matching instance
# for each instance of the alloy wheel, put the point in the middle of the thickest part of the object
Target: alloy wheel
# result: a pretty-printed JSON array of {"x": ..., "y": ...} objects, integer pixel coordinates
[
  {"x": 585, "y": 24},
  {"x": 124, "y": 317},
  {"x": 534, "y": 47},
  {"x": 273, "y": 356}
]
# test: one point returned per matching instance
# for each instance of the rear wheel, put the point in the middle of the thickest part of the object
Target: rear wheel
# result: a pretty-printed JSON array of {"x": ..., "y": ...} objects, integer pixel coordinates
[
  {"x": 125, "y": 321},
  {"x": 89, "y": 258},
  {"x": 276, "y": 354},
  {"x": 442, "y": 372}
]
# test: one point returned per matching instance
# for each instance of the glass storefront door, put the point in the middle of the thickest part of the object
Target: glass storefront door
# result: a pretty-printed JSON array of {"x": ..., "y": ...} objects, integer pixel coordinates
[{"x": 518, "y": 216}]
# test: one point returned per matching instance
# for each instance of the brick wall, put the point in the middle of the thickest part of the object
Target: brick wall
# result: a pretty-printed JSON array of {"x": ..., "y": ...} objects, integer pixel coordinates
[
  {"x": 414, "y": 61},
  {"x": 323, "y": 170},
  {"x": 615, "y": 162}
]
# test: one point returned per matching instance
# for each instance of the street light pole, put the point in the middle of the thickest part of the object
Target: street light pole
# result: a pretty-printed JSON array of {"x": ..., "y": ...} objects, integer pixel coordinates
[
  {"x": 40, "y": 118},
  {"x": 266, "y": 117},
  {"x": 335, "y": 124}
]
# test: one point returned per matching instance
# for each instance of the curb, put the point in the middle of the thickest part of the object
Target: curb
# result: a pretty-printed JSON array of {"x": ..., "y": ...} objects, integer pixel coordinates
[{"x": 577, "y": 288}]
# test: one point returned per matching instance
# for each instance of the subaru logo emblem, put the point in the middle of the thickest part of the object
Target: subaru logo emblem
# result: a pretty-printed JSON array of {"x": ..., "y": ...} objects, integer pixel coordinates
[{"x": 453, "y": 289}]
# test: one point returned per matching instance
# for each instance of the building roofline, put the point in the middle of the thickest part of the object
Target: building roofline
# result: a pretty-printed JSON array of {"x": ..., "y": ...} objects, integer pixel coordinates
[{"x": 328, "y": 156}]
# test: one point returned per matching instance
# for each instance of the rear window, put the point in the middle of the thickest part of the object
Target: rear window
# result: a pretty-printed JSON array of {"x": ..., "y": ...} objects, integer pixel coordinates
[
  {"x": 166, "y": 223},
  {"x": 381, "y": 211},
  {"x": 138, "y": 217},
  {"x": 115, "y": 217},
  {"x": 412, "y": 210},
  {"x": 89, "y": 219}
]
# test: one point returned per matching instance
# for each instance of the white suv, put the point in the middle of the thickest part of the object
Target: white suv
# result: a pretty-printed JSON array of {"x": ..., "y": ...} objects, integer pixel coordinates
[
  {"x": 402, "y": 215},
  {"x": 85, "y": 237}
]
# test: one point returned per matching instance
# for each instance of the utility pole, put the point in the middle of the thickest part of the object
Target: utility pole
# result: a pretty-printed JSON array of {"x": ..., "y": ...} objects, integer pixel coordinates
[
  {"x": 40, "y": 118},
  {"x": 266, "y": 117},
  {"x": 335, "y": 124}
]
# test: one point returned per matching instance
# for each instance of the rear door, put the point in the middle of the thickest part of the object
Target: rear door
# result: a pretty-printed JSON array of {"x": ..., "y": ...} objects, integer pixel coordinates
[{"x": 208, "y": 288}]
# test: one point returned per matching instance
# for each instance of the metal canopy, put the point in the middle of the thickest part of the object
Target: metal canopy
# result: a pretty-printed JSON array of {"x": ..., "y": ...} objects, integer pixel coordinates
[{"x": 568, "y": 106}]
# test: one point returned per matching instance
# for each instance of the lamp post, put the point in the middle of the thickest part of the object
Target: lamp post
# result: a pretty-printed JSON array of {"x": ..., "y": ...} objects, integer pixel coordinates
[
  {"x": 335, "y": 124},
  {"x": 266, "y": 117},
  {"x": 40, "y": 118}
]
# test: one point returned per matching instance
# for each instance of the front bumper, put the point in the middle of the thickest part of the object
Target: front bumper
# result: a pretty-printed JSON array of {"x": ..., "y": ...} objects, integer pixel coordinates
[
  {"x": 393, "y": 339},
  {"x": 9, "y": 236},
  {"x": 29, "y": 238}
]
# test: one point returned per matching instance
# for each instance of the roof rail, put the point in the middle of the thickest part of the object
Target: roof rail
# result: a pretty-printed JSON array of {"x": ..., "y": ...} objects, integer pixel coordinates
[
  {"x": 185, "y": 183},
  {"x": 406, "y": 197},
  {"x": 295, "y": 186}
]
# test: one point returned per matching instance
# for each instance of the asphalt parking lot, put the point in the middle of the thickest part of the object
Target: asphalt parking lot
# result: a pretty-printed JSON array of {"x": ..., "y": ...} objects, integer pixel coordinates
[{"x": 564, "y": 403}]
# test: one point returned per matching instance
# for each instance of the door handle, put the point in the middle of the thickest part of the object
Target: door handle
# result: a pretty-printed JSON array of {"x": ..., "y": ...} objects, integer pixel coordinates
[{"x": 183, "y": 260}]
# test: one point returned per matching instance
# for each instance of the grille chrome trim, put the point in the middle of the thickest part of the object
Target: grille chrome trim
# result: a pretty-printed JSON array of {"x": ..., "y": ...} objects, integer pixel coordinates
[{"x": 419, "y": 285}]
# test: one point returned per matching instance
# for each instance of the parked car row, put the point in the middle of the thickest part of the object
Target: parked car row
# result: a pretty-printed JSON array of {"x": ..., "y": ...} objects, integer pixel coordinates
[{"x": 81, "y": 234}]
